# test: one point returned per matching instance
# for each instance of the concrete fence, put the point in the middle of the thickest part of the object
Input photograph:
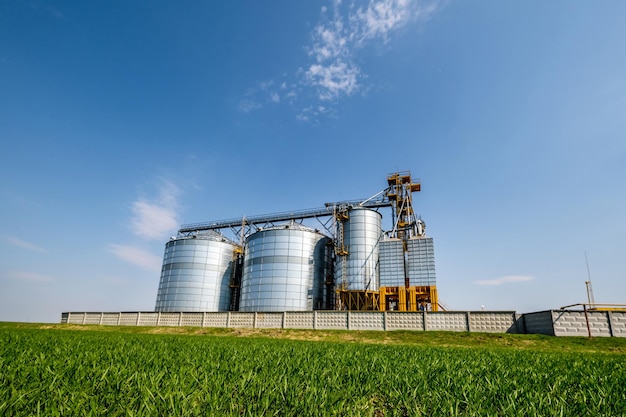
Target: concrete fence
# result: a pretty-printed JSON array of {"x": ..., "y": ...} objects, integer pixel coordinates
[
  {"x": 575, "y": 323},
  {"x": 466, "y": 321}
]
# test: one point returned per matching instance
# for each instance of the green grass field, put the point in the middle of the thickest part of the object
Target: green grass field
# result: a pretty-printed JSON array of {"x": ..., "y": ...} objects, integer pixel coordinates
[{"x": 61, "y": 370}]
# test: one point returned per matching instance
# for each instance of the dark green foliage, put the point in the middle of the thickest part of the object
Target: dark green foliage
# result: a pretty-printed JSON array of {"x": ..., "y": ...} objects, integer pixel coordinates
[{"x": 78, "y": 373}]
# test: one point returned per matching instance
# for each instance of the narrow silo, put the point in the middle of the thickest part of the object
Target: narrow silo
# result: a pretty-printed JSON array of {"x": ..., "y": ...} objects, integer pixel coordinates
[
  {"x": 285, "y": 269},
  {"x": 358, "y": 270},
  {"x": 196, "y": 273},
  {"x": 392, "y": 263},
  {"x": 421, "y": 261}
]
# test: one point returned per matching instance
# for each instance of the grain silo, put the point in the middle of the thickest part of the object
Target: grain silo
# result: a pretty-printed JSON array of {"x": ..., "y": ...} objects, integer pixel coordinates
[
  {"x": 196, "y": 273},
  {"x": 356, "y": 266},
  {"x": 285, "y": 269}
]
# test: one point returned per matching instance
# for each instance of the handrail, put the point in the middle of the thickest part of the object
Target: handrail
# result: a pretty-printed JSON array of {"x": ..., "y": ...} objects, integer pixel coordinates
[{"x": 592, "y": 306}]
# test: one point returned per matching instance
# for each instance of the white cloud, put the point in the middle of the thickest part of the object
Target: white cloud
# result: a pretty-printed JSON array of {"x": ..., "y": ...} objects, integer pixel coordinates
[
  {"x": 505, "y": 280},
  {"x": 338, "y": 40},
  {"x": 28, "y": 276},
  {"x": 156, "y": 219},
  {"x": 20, "y": 243},
  {"x": 247, "y": 105},
  {"x": 137, "y": 256},
  {"x": 333, "y": 80},
  {"x": 380, "y": 18}
]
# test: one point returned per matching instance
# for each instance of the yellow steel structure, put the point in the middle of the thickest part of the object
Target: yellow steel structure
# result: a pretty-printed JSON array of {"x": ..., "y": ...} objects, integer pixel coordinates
[
  {"x": 417, "y": 298},
  {"x": 400, "y": 194},
  {"x": 359, "y": 300}
]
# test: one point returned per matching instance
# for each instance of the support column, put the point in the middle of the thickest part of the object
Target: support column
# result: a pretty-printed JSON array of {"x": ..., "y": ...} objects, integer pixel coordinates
[{"x": 468, "y": 318}]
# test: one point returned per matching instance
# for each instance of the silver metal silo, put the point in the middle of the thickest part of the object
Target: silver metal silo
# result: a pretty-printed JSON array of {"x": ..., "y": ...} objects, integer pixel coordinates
[
  {"x": 284, "y": 270},
  {"x": 358, "y": 270},
  {"x": 196, "y": 273}
]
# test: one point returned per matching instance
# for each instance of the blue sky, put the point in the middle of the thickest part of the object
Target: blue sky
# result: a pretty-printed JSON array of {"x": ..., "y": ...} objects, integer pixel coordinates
[{"x": 119, "y": 121}]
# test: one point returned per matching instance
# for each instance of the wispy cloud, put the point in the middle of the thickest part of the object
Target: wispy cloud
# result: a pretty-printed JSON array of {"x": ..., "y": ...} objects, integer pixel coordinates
[
  {"x": 137, "y": 256},
  {"x": 28, "y": 276},
  {"x": 156, "y": 219},
  {"x": 509, "y": 279},
  {"x": 247, "y": 105},
  {"x": 344, "y": 31},
  {"x": 20, "y": 243},
  {"x": 153, "y": 219}
]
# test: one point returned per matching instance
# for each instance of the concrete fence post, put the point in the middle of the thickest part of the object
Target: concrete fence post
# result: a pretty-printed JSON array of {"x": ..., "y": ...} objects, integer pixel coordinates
[
  {"x": 254, "y": 318},
  {"x": 159, "y": 318},
  {"x": 384, "y": 320},
  {"x": 348, "y": 313},
  {"x": 609, "y": 319},
  {"x": 284, "y": 320},
  {"x": 180, "y": 318},
  {"x": 314, "y": 320},
  {"x": 203, "y": 319},
  {"x": 228, "y": 319},
  {"x": 424, "y": 319},
  {"x": 101, "y": 318},
  {"x": 468, "y": 319},
  {"x": 138, "y": 318},
  {"x": 119, "y": 318}
]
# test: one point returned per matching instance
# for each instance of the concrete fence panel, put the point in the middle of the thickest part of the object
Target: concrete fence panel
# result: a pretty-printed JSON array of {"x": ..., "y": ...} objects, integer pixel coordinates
[
  {"x": 241, "y": 320},
  {"x": 449, "y": 321},
  {"x": 405, "y": 321},
  {"x": 367, "y": 321},
  {"x": 574, "y": 323},
  {"x": 491, "y": 322},
  {"x": 148, "y": 319},
  {"x": 299, "y": 320},
  {"x": 331, "y": 320},
  {"x": 539, "y": 323},
  {"x": 269, "y": 320}
]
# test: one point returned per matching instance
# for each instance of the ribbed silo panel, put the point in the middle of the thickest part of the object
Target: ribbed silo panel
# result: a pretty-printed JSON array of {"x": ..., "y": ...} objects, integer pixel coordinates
[
  {"x": 391, "y": 263},
  {"x": 421, "y": 261}
]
